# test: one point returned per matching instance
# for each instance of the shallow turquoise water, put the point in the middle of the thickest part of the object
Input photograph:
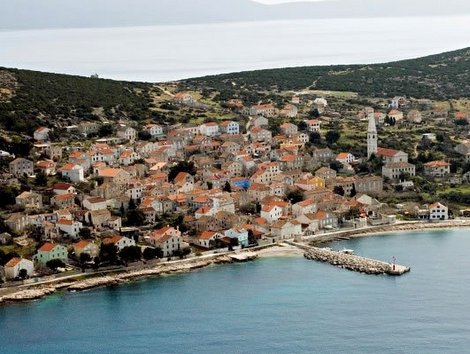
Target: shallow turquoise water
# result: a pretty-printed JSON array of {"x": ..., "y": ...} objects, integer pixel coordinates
[{"x": 276, "y": 305}]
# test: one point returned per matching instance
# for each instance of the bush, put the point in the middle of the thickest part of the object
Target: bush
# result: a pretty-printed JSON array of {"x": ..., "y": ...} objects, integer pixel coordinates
[{"x": 55, "y": 263}]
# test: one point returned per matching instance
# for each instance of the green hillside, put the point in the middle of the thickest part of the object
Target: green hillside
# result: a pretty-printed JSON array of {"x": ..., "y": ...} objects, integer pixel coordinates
[
  {"x": 38, "y": 98},
  {"x": 440, "y": 76},
  {"x": 30, "y": 98}
]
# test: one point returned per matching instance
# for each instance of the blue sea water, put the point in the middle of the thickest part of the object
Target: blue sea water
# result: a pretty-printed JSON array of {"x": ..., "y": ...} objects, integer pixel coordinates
[
  {"x": 160, "y": 53},
  {"x": 274, "y": 305}
]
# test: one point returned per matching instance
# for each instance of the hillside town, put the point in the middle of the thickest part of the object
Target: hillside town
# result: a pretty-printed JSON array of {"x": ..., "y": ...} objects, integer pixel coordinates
[{"x": 147, "y": 191}]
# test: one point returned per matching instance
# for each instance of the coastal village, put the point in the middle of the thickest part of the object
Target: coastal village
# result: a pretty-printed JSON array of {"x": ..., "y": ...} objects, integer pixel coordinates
[{"x": 110, "y": 194}]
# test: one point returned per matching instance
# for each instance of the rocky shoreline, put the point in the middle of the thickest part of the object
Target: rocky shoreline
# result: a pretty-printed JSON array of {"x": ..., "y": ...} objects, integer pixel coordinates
[
  {"x": 385, "y": 229},
  {"x": 99, "y": 280},
  {"x": 183, "y": 266}
]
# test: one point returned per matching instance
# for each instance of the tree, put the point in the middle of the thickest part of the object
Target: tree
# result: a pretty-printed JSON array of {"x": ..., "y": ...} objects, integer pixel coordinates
[
  {"x": 23, "y": 273},
  {"x": 108, "y": 252},
  {"x": 132, "y": 205},
  {"x": 353, "y": 190},
  {"x": 55, "y": 263},
  {"x": 302, "y": 125},
  {"x": 336, "y": 165},
  {"x": 332, "y": 136},
  {"x": 398, "y": 188},
  {"x": 338, "y": 190},
  {"x": 85, "y": 233},
  {"x": 135, "y": 217},
  {"x": 130, "y": 254},
  {"x": 210, "y": 185},
  {"x": 251, "y": 238},
  {"x": 105, "y": 130},
  {"x": 353, "y": 213},
  {"x": 151, "y": 253},
  {"x": 144, "y": 135},
  {"x": 41, "y": 179},
  {"x": 7, "y": 196},
  {"x": 314, "y": 113},
  {"x": 84, "y": 258},
  {"x": 227, "y": 187},
  {"x": 295, "y": 196},
  {"x": 182, "y": 252},
  {"x": 315, "y": 138}
]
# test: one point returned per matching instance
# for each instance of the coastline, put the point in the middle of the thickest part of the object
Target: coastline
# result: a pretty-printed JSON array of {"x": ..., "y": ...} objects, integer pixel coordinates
[
  {"x": 412, "y": 226},
  {"x": 86, "y": 281}
]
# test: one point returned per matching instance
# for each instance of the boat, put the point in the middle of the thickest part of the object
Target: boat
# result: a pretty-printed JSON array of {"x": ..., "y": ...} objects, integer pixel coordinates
[{"x": 347, "y": 251}]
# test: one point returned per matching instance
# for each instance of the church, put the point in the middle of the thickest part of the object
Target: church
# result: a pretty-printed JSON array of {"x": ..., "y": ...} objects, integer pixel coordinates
[{"x": 396, "y": 161}]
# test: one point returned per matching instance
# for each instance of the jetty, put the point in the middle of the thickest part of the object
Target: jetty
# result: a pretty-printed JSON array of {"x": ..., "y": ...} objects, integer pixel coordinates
[{"x": 352, "y": 262}]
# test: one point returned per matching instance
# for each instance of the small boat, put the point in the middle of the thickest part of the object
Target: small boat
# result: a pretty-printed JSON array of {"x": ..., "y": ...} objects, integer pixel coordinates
[{"x": 347, "y": 251}]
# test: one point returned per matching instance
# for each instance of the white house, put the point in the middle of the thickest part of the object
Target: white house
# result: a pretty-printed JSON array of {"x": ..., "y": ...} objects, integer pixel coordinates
[
  {"x": 154, "y": 130},
  {"x": 437, "y": 168},
  {"x": 74, "y": 173},
  {"x": 271, "y": 212},
  {"x": 41, "y": 134},
  {"x": 69, "y": 227},
  {"x": 168, "y": 239},
  {"x": 119, "y": 241},
  {"x": 304, "y": 207},
  {"x": 84, "y": 246},
  {"x": 95, "y": 203},
  {"x": 126, "y": 133},
  {"x": 313, "y": 125},
  {"x": 238, "y": 233},
  {"x": 15, "y": 265},
  {"x": 207, "y": 238},
  {"x": 286, "y": 229},
  {"x": 63, "y": 188},
  {"x": 135, "y": 190},
  {"x": 394, "y": 170},
  {"x": 230, "y": 127},
  {"x": 345, "y": 157},
  {"x": 438, "y": 211},
  {"x": 209, "y": 129}
]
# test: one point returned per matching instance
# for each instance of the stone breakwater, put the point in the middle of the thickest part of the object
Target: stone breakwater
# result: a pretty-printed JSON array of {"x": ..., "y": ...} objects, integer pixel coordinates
[{"x": 354, "y": 263}]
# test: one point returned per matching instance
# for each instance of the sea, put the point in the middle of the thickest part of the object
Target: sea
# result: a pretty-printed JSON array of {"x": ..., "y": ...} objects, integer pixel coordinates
[
  {"x": 164, "y": 53},
  {"x": 272, "y": 305}
]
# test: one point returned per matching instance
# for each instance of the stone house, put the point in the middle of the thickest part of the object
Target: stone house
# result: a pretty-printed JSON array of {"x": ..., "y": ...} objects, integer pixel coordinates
[{"x": 21, "y": 167}]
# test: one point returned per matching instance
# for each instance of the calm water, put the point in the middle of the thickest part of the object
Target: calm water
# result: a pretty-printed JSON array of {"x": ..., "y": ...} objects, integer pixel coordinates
[
  {"x": 276, "y": 305},
  {"x": 173, "y": 52}
]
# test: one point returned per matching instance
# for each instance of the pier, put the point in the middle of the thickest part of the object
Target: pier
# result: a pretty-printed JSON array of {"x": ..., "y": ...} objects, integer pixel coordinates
[{"x": 352, "y": 262}]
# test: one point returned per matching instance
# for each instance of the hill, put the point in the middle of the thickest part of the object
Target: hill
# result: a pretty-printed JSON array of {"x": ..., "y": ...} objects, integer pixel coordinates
[
  {"x": 29, "y": 99},
  {"x": 32, "y": 98},
  {"x": 440, "y": 76}
]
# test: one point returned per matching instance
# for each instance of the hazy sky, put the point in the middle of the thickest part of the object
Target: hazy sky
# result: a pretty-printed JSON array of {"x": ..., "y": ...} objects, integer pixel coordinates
[{"x": 270, "y": 2}]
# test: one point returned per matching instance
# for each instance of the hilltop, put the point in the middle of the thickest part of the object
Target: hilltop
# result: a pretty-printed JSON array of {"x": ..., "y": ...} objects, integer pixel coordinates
[
  {"x": 32, "y": 98},
  {"x": 29, "y": 99},
  {"x": 440, "y": 76}
]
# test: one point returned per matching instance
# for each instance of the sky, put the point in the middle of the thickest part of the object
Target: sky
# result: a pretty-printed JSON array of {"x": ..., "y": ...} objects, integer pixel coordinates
[{"x": 272, "y": 2}]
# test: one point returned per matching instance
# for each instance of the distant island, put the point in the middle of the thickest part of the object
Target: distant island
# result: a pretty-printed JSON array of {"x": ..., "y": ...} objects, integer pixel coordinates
[{"x": 26, "y": 14}]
